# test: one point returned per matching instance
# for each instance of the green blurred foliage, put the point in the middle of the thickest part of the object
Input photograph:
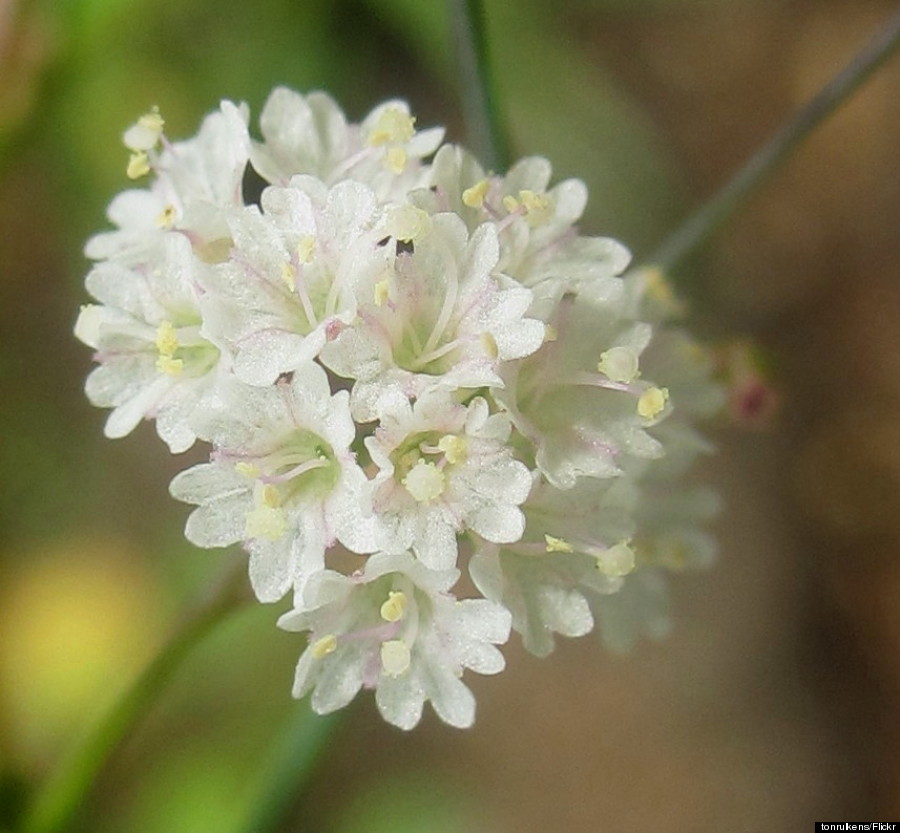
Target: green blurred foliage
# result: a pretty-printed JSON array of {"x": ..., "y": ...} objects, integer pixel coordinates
[{"x": 73, "y": 75}]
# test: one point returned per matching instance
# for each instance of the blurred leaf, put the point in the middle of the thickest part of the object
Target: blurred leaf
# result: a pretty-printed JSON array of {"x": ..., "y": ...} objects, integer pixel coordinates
[
  {"x": 408, "y": 804},
  {"x": 561, "y": 105},
  {"x": 426, "y": 28}
]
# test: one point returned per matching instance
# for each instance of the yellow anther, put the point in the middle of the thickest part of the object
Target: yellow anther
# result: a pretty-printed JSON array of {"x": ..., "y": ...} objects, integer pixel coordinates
[
  {"x": 619, "y": 364},
  {"x": 166, "y": 339},
  {"x": 305, "y": 248},
  {"x": 394, "y": 608},
  {"x": 145, "y": 133},
  {"x": 395, "y": 160},
  {"x": 550, "y": 333},
  {"x": 321, "y": 648},
  {"x": 557, "y": 544},
  {"x": 270, "y": 496},
  {"x": 393, "y": 125},
  {"x": 489, "y": 343},
  {"x": 474, "y": 196},
  {"x": 511, "y": 204},
  {"x": 138, "y": 165},
  {"x": 454, "y": 448},
  {"x": 247, "y": 469},
  {"x": 152, "y": 120},
  {"x": 169, "y": 366},
  {"x": 538, "y": 207},
  {"x": 395, "y": 657},
  {"x": 382, "y": 292},
  {"x": 408, "y": 223},
  {"x": 289, "y": 276},
  {"x": 265, "y": 522},
  {"x": 617, "y": 561},
  {"x": 652, "y": 402},
  {"x": 166, "y": 218},
  {"x": 424, "y": 482}
]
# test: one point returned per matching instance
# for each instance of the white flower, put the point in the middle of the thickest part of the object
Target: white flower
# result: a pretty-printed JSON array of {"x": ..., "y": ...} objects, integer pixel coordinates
[
  {"x": 310, "y": 135},
  {"x": 423, "y": 368},
  {"x": 535, "y": 223},
  {"x": 291, "y": 279},
  {"x": 395, "y": 628},
  {"x": 281, "y": 479},
  {"x": 194, "y": 184},
  {"x": 576, "y": 546},
  {"x": 436, "y": 317},
  {"x": 445, "y": 468},
  {"x": 154, "y": 363},
  {"x": 571, "y": 399}
]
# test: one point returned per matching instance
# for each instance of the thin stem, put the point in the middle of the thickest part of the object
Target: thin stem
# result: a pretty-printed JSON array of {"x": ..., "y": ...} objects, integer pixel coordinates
[
  {"x": 284, "y": 775},
  {"x": 711, "y": 216},
  {"x": 483, "y": 123},
  {"x": 59, "y": 804}
]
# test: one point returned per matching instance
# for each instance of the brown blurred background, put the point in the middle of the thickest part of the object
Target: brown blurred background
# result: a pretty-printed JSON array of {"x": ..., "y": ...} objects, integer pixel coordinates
[{"x": 774, "y": 703}]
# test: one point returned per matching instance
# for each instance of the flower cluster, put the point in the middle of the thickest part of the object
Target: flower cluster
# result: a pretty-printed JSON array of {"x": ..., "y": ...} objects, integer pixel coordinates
[{"x": 406, "y": 370}]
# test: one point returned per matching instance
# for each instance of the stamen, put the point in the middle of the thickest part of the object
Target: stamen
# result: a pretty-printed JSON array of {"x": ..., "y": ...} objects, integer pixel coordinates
[
  {"x": 323, "y": 647},
  {"x": 309, "y": 465},
  {"x": 394, "y": 608},
  {"x": 408, "y": 223},
  {"x": 166, "y": 219},
  {"x": 166, "y": 338},
  {"x": 557, "y": 544},
  {"x": 395, "y": 160},
  {"x": 395, "y": 657},
  {"x": 138, "y": 165},
  {"x": 169, "y": 366},
  {"x": 289, "y": 276},
  {"x": 246, "y": 469},
  {"x": 265, "y": 522},
  {"x": 382, "y": 292},
  {"x": 474, "y": 197},
  {"x": 538, "y": 207},
  {"x": 652, "y": 402},
  {"x": 454, "y": 448},
  {"x": 619, "y": 364},
  {"x": 617, "y": 561},
  {"x": 393, "y": 125},
  {"x": 305, "y": 248},
  {"x": 425, "y": 481}
]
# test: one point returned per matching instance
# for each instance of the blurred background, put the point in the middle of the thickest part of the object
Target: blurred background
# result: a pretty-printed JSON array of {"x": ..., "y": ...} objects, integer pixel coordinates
[{"x": 774, "y": 702}]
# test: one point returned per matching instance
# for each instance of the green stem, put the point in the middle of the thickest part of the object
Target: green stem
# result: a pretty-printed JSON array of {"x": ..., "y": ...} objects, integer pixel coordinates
[
  {"x": 711, "y": 216},
  {"x": 283, "y": 776},
  {"x": 60, "y": 802},
  {"x": 480, "y": 111}
]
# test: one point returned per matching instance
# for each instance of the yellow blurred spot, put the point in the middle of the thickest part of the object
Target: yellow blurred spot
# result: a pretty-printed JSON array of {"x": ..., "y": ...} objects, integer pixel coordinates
[
  {"x": 395, "y": 160},
  {"x": 305, "y": 248},
  {"x": 79, "y": 619},
  {"x": 166, "y": 218},
  {"x": 382, "y": 292}
]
